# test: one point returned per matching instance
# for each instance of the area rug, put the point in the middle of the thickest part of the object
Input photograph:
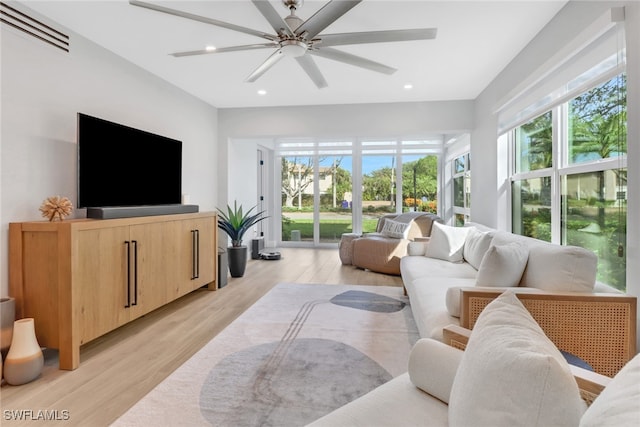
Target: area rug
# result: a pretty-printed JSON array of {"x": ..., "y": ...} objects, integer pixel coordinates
[{"x": 297, "y": 354}]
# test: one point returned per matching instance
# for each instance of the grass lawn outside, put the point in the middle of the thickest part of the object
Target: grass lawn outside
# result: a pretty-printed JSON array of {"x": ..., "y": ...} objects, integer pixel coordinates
[{"x": 330, "y": 230}]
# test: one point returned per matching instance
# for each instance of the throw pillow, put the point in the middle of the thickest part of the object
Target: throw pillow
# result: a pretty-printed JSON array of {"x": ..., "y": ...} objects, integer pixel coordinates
[
  {"x": 617, "y": 405},
  {"x": 503, "y": 265},
  {"x": 433, "y": 366},
  {"x": 555, "y": 267},
  {"x": 511, "y": 374},
  {"x": 446, "y": 243},
  {"x": 395, "y": 229},
  {"x": 475, "y": 246}
]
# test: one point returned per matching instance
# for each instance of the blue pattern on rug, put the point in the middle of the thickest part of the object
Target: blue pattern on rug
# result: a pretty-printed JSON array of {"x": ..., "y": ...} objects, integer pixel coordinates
[
  {"x": 368, "y": 301},
  {"x": 267, "y": 385}
]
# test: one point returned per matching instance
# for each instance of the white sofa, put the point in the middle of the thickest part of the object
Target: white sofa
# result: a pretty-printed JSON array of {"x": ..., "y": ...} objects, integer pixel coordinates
[
  {"x": 434, "y": 271},
  {"x": 509, "y": 375},
  {"x": 441, "y": 277}
]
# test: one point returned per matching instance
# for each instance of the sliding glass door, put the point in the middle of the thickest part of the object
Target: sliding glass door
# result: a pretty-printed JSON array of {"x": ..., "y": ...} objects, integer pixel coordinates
[
  {"x": 330, "y": 188},
  {"x": 336, "y": 198},
  {"x": 297, "y": 198}
]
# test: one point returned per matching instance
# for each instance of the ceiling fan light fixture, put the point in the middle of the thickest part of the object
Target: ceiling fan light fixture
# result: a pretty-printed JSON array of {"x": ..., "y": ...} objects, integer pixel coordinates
[{"x": 293, "y": 48}]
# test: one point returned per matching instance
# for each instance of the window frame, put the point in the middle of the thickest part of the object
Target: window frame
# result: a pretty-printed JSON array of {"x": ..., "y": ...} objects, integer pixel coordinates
[{"x": 561, "y": 167}]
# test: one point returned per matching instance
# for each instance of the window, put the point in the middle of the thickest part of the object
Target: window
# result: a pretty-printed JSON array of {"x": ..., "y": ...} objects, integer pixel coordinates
[
  {"x": 567, "y": 133},
  {"x": 533, "y": 144},
  {"x": 461, "y": 189},
  {"x": 569, "y": 176},
  {"x": 335, "y": 187}
]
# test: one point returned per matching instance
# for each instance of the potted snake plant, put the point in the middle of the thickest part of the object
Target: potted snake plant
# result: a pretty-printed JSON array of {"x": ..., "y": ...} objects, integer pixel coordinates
[{"x": 235, "y": 222}]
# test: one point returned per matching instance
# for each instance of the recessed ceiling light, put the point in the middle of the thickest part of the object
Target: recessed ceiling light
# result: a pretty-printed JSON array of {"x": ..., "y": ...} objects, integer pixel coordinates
[
  {"x": 408, "y": 86},
  {"x": 262, "y": 92},
  {"x": 210, "y": 48}
]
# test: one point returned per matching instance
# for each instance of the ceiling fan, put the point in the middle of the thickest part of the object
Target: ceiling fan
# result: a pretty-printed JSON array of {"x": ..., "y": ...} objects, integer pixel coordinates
[{"x": 302, "y": 39}]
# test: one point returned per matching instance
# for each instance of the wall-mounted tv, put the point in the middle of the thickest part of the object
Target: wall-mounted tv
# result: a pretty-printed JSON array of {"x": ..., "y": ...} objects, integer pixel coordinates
[{"x": 119, "y": 166}]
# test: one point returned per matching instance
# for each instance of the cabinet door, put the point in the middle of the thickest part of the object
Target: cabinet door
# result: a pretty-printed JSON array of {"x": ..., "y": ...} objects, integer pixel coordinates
[
  {"x": 100, "y": 280},
  {"x": 206, "y": 253},
  {"x": 181, "y": 251},
  {"x": 153, "y": 265},
  {"x": 195, "y": 242}
]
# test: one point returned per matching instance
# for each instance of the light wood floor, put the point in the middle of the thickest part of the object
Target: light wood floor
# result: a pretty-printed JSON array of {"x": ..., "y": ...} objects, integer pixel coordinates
[{"x": 119, "y": 368}]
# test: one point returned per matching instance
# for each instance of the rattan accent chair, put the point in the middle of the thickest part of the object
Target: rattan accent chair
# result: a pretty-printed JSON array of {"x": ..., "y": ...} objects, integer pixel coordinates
[{"x": 598, "y": 328}]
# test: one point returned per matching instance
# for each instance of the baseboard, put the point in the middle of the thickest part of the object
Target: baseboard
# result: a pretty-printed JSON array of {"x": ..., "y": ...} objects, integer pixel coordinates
[{"x": 133, "y": 211}]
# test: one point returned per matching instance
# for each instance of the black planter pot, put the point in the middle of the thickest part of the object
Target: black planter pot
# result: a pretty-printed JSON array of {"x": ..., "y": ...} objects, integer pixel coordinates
[{"x": 237, "y": 260}]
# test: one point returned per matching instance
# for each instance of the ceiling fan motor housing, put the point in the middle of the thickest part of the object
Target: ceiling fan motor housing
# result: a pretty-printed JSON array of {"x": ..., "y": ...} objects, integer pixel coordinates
[
  {"x": 292, "y": 4},
  {"x": 293, "y": 21}
]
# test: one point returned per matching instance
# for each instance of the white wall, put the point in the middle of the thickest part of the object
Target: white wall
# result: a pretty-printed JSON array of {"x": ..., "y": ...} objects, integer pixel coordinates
[
  {"x": 44, "y": 88},
  {"x": 489, "y": 206}
]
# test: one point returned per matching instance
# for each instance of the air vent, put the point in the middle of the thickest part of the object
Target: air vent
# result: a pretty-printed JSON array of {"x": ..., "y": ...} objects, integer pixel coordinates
[{"x": 19, "y": 20}]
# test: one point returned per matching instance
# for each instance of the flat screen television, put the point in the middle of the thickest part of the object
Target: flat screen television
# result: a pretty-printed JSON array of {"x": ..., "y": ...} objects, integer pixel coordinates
[{"x": 119, "y": 166}]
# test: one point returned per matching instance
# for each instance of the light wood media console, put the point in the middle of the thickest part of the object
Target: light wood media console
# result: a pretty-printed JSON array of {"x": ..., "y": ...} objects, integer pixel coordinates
[{"x": 80, "y": 279}]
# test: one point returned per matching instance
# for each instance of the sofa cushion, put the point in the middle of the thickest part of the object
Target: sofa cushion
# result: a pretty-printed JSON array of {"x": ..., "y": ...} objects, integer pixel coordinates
[
  {"x": 503, "y": 265},
  {"x": 447, "y": 243},
  {"x": 427, "y": 296},
  {"x": 475, "y": 246},
  {"x": 395, "y": 229},
  {"x": 554, "y": 267},
  {"x": 433, "y": 366},
  {"x": 511, "y": 374},
  {"x": 619, "y": 403}
]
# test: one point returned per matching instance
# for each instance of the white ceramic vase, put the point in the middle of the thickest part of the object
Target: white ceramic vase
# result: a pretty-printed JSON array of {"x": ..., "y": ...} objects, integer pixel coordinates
[
  {"x": 7, "y": 317},
  {"x": 25, "y": 360}
]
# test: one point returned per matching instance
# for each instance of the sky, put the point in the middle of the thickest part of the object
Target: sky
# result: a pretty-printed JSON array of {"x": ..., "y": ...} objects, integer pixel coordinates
[{"x": 369, "y": 163}]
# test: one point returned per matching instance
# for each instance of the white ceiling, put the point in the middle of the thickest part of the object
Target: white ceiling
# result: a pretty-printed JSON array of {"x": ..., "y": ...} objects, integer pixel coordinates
[{"x": 475, "y": 41}]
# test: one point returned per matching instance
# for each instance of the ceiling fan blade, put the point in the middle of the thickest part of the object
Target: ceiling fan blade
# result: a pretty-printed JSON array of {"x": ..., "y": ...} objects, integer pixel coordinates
[
  {"x": 202, "y": 19},
  {"x": 325, "y": 17},
  {"x": 268, "y": 11},
  {"x": 225, "y": 49},
  {"x": 377, "y": 36},
  {"x": 347, "y": 58},
  {"x": 265, "y": 66},
  {"x": 309, "y": 66}
]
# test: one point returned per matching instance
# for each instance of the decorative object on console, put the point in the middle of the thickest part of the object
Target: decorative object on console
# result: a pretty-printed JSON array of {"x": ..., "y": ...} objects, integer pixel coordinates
[
  {"x": 7, "y": 316},
  {"x": 24, "y": 361},
  {"x": 56, "y": 208},
  {"x": 236, "y": 223}
]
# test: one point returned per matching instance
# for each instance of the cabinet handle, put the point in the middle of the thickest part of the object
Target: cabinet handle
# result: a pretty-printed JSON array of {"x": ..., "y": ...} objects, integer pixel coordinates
[
  {"x": 198, "y": 254},
  {"x": 195, "y": 254},
  {"x": 128, "y": 245},
  {"x": 135, "y": 272}
]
